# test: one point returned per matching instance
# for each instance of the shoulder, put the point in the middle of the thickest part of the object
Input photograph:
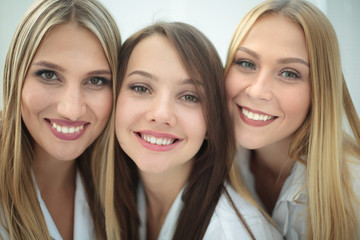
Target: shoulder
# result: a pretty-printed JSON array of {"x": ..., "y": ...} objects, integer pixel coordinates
[{"x": 225, "y": 223}]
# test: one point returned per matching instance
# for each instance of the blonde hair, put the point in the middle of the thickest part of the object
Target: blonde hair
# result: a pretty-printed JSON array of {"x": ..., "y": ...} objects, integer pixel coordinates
[
  {"x": 322, "y": 140},
  {"x": 22, "y": 215}
]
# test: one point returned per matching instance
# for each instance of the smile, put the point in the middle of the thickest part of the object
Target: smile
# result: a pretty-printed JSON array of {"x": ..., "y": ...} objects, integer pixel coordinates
[
  {"x": 64, "y": 129},
  {"x": 256, "y": 116},
  {"x": 157, "y": 141}
]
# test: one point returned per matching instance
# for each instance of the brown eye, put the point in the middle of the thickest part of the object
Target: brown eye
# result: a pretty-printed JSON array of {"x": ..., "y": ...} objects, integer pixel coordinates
[
  {"x": 140, "y": 89},
  {"x": 95, "y": 81},
  {"x": 98, "y": 81},
  {"x": 47, "y": 75}
]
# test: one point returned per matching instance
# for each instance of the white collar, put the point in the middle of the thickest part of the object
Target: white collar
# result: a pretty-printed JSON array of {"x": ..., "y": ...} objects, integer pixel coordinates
[
  {"x": 293, "y": 183},
  {"x": 170, "y": 223},
  {"x": 291, "y": 204},
  {"x": 83, "y": 224}
]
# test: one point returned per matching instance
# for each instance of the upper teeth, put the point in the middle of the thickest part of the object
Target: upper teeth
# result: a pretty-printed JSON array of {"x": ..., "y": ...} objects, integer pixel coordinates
[
  {"x": 64, "y": 129},
  {"x": 256, "y": 116},
  {"x": 157, "y": 141}
]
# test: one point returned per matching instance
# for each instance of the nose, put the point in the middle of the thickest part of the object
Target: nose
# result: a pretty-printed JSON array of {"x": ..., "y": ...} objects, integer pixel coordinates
[
  {"x": 72, "y": 104},
  {"x": 260, "y": 87},
  {"x": 161, "y": 111}
]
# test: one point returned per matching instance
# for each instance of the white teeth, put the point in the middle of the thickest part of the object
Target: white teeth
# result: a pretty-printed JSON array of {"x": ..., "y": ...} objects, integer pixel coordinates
[
  {"x": 256, "y": 116},
  {"x": 157, "y": 141},
  {"x": 64, "y": 129}
]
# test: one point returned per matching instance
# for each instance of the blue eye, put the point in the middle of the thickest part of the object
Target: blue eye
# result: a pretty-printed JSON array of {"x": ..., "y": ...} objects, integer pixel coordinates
[
  {"x": 289, "y": 74},
  {"x": 245, "y": 64}
]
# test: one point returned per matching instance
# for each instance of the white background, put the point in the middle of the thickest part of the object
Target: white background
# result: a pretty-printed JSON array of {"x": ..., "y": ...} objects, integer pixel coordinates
[{"x": 216, "y": 19}]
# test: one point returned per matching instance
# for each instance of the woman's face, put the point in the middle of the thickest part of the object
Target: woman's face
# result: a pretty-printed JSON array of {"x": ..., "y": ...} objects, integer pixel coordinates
[
  {"x": 159, "y": 118},
  {"x": 67, "y": 95},
  {"x": 268, "y": 85}
]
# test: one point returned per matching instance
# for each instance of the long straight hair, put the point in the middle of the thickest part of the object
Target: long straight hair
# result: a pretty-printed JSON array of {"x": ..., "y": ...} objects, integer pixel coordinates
[
  {"x": 22, "y": 215},
  {"x": 213, "y": 161},
  {"x": 321, "y": 139}
]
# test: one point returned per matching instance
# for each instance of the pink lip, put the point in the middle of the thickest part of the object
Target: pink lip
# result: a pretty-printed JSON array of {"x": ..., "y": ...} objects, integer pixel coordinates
[
  {"x": 67, "y": 136},
  {"x": 254, "y": 123},
  {"x": 155, "y": 147}
]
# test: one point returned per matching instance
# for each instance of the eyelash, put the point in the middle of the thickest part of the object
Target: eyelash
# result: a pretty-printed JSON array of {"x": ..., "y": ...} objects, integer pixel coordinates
[
  {"x": 241, "y": 62},
  {"x": 194, "y": 98},
  {"x": 143, "y": 89},
  {"x": 140, "y": 89},
  {"x": 101, "y": 81},
  {"x": 42, "y": 74},
  {"x": 295, "y": 74}
]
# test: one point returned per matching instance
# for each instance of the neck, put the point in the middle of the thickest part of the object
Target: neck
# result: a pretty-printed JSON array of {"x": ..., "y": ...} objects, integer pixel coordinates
[
  {"x": 52, "y": 175},
  {"x": 271, "y": 166},
  {"x": 56, "y": 181},
  {"x": 275, "y": 158},
  {"x": 161, "y": 190}
]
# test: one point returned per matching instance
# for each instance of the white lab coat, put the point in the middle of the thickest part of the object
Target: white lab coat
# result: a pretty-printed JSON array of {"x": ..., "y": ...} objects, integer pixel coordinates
[
  {"x": 224, "y": 224},
  {"x": 83, "y": 223},
  {"x": 290, "y": 209}
]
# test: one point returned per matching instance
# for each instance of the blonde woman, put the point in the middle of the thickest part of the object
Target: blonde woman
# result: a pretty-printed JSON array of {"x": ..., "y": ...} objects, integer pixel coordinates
[
  {"x": 57, "y": 122},
  {"x": 288, "y": 99}
]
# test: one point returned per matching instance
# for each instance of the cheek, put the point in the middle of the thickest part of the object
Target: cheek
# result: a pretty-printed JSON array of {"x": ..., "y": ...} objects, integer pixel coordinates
[
  {"x": 102, "y": 105},
  {"x": 33, "y": 99},
  {"x": 120, "y": 111},
  {"x": 230, "y": 86},
  {"x": 198, "y": 130},
  {"x": 235, "y": 83},
  {"x": 297, "y": 104},
  {"x": 233, "y": 87}
]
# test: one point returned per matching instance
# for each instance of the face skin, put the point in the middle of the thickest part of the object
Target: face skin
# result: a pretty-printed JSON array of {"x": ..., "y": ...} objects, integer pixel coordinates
[
  {"x": 66, "y": 97},
  {"x": 158, "y": 102},
  {"x": 269, "y": 79}
]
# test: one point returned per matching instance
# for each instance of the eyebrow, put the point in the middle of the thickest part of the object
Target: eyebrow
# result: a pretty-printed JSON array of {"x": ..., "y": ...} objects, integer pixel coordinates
[
  {"x": 152, "y": 77},
  {"x": 49, "y": 65},
  {"x": 61, "y": 69},
  {"x": 250, "y": 52},
  {"x": 282, "y": 60},
  {"x": 293, "y": 60},
  {"x": 142, "y": 73}
]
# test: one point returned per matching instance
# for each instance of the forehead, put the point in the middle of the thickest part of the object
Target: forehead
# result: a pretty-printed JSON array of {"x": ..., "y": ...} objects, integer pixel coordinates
[
  {"x": 272, "y": 30},
  {"x": 69, "y": 36},
  {"x": 153, "y": 47},
  {"x": 155, "y": 54},
  {"x": 72, "y": 47}
]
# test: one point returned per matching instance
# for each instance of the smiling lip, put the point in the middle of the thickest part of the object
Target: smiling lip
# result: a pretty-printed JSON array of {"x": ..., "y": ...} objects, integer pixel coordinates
[
  {"x": 255, "y": 118},
  {"x": 67, "y": 130},
  {"x": 155, "y": 141}
]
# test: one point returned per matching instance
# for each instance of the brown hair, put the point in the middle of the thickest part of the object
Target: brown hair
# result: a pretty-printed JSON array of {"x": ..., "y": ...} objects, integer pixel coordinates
[{"x": 212, "y": 162}]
